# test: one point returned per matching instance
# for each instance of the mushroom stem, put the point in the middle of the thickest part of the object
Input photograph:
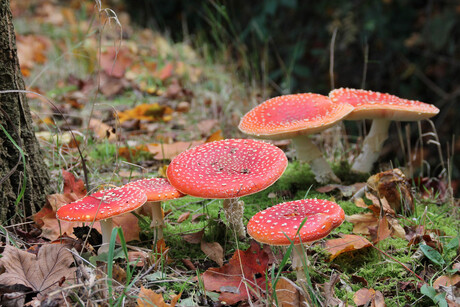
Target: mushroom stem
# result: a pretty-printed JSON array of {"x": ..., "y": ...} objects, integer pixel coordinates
[
  {"x": 309, "y": 153},
  {"x": 233, "y": 210},
  {"x": 297, "y": 258},
  {"x": 106, "y": 229},
  {"x": 153, "y": 208},
  {"x": 372, "y": 146}
]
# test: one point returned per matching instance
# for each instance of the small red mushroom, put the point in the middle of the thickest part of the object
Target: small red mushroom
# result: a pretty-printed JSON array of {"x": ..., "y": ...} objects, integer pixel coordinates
[
  {"x": 102, "y": 206},
  {"x": 157, "y": 190},
  {"x": 295, "y": 117},
  {"x": 227, "y": 169},
  {"x": 280, "y": 224},
  {"x": 382, "y": 109}
]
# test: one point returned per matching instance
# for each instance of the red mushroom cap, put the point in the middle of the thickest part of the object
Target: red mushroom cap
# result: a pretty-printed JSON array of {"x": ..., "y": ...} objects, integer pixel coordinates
[
  {"x": 291, "y": 115},
  {"x": 272, "y": 225},
  {"x": 372, "y": 105},
  {"x": 156, "y": 189},
  {"x": 227, "y": 169},
  {"x": 102, "y": 205}
]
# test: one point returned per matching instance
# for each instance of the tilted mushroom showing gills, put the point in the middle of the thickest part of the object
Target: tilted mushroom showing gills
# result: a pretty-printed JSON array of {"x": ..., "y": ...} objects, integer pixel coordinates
[
  {"x": 102, "y": 206},
  {"x": 274, "y": 225},
  {"x": 382, "y": 109},
  {"x": 157, "y": 190},
  {"x": 295, "y": 117},
  {"x": 227, "y": 169}
]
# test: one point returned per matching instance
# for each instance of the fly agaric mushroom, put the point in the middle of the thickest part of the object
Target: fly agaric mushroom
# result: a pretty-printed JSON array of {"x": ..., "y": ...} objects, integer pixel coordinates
[
  {"x": 227, "y": 169},
  {"x": 157, "y": 190},
  {"x": 295, "y": 117},
  {"x": 102, "y": 206},
  {"x": 382, "y": 109},
  {"x": 279, "y": 225}
]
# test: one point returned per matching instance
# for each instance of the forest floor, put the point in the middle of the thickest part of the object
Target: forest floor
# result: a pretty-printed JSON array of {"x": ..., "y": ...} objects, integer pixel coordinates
[{"x": 122, "y": 101}]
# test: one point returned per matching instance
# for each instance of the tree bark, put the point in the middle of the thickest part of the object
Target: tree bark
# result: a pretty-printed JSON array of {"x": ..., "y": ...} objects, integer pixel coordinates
[{"x": 16, "y": 119}]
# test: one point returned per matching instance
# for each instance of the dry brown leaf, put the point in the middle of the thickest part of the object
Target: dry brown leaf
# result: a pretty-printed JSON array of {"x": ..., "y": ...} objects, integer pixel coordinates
[
  {"x": 381, "y": 231},
  {"x": 369, "y": 297},
  {"x": 114, "y": 61},
  {"x": 362, "y": 222},
  {"x": 243, "y": 277},
  {"x": 43, "y": 273},
  {"x": 345, "y": 244},
  {"x": 214, "y": 251},
  {"x": 148, "y": 298},
  {"x": 170, "y": 151},
  {"x": 194, "y": 238},
  {"x": 102, "y": 131},
  {"x": 216, "y": 136},
  {"x": 73, "y": 185},
  {"x": 183, "y": 217},
  {"x": 446, "y": 281},
  {"x": 288, "y": 293}
]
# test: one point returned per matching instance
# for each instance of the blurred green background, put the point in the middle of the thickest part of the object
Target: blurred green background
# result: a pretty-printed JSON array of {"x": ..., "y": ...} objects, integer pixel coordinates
[{"x": 407, "y": 48}]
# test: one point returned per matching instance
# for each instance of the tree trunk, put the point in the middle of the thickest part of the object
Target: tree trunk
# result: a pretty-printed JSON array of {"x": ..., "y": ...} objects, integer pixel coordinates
[{"x": 15, "y": 118}]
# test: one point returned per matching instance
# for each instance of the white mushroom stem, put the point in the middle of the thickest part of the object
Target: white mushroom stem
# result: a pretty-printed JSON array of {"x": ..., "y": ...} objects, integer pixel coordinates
[
  {"x": 106, "y": 229},
  {"x": 372, "y": 146},
  {"x": 233, "y": 210},
  {"x": 153, "y": 209},
  {"x": 309, "y": 153},
  {"x": 298, "y": 257}
]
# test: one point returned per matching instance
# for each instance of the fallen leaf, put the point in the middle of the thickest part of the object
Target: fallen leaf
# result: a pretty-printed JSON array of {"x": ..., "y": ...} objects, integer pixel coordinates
[
  {"x": 363, "y": 296},
  {"x": 188, "y": 264},
  {"x": 237, "y": 281},
  {"x": 183, "y": 217},
  {"x": 216, "y": 136},
  {"x": 288, "y": 293},
  {"x": 194, "y": 238},
  {"x": 362, "y": 222},
  {"x": 73, "y": 185},
  {"x": 214, "y": 251},
  {"x": 148, "y": 297},
  {"x": 381, "y": 231},
  {"x": 395, "y": 188},
  {"x": 102, "y": 131},
  {"x": 345, "y": 244},
  {"x": 446, "y": 281},
  {"x": 146, "y": 112},
  {"x": 43, "y": 272},
  {"x": 170, "y": 151},
  {"x": 31, "y": 51},
  {"x": 198, "y": 217},
  {"x": 115, "y": 61}
]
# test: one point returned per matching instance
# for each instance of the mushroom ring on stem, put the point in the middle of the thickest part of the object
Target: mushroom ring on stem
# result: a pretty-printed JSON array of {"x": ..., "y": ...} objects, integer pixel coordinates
[
  {"x": 157, "y": 190},
  {"x": 102, "y": 206},
  {"x": 280, "y": 224},
  {"x": 227, "y": 169},
  {"x": 382, "y": 109},
  {"x": 295, "y": 117}
]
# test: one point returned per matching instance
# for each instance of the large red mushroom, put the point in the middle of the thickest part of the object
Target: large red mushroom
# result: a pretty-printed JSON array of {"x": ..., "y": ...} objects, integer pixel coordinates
[
  {"x": 281, "y": 225},
  {"x": 295, "y": 117},
  {"x": 382, "y": 109},
  {"x": 102, "y": 206},
  {"x": 227, "y": 169}
]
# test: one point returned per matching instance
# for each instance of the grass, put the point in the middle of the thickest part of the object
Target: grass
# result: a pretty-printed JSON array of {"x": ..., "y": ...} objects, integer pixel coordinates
[{"x": 220, "y": 93}]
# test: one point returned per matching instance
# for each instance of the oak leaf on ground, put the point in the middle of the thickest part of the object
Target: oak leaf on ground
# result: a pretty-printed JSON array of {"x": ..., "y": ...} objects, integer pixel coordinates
[
  {"x": 148, "y": 297},
  {"x": 43, "y": 272},
  {"x": 346, "y": 244},
  {"x": 369, "y": 297},
  {"x": 240, "y": 277}
]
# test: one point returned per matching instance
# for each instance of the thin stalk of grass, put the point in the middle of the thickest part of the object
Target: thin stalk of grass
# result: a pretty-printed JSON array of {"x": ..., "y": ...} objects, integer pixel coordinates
[{"x": 331, "y": 57}]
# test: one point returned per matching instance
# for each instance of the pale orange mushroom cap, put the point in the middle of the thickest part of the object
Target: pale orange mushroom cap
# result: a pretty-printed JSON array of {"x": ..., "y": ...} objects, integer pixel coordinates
[
  {"x": 372, "y": 105},
  {"x": 156, "y": 189},
  {"x": 103, "y": 205},
  {"x": 227, "y": 169},
  {"x": 276, "y": 224},
  {"x": 292, "y": 115}
]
